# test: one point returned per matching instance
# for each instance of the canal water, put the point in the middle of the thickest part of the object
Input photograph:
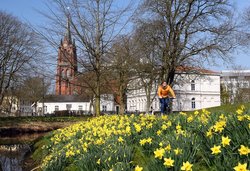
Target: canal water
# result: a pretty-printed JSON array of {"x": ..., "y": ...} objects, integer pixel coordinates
[{"x": 14, "y": 150}]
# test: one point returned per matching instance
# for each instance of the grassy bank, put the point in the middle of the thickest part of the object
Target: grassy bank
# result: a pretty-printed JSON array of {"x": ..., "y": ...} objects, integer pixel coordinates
[
  {"x": 11, "y": 126},
  {"x": 10, "y": 121},
  {"x": 229, "y": 108},
  {"x": 201, "y": 140}
]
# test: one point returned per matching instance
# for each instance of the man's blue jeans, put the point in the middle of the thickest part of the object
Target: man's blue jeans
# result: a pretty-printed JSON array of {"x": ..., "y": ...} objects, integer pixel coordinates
[{"x": 164, "y": 104}]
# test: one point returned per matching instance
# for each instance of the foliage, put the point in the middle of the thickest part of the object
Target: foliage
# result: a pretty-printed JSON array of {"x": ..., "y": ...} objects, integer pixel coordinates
[
  {"x": 19, "y": 51},
  {"x": 7, "y": 121},
  {"x": 187, "y": 141}
]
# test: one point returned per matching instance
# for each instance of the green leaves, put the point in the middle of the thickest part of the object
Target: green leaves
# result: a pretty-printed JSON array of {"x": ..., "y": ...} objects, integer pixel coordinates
[{"x": 124, "y": 142}]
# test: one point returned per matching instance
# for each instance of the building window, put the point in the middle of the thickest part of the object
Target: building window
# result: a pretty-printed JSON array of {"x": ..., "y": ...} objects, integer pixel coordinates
[
  {"x": 62, "y": 73},
  {"x": 45, "y": 109},
  {"x": 68, "y": 106},
  {"x": 68, "y": 73},
  {"x": 192, "y": 85},
  {"x": 193, "y": 103},
  {"x": 104, "y": 108},
  {"x": 56, "y": 108},
  {"x": 80, "y": 107}
]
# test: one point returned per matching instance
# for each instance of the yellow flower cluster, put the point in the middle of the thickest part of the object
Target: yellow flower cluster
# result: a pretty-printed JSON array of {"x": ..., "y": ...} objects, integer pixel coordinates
[
  {"x": 171, "y": 140},
  {"x": 145, "y": 140}
]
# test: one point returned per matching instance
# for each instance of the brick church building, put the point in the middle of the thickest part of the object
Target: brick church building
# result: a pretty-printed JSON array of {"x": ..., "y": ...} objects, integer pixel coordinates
[{"x": 66, "y": 79}]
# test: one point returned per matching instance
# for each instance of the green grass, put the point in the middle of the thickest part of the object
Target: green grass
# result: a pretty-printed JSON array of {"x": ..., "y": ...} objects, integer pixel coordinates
[
  {"x": 116, "y": 142},
  {"x": 228, "y": 108},
  {"x": 9, "y": 121}
]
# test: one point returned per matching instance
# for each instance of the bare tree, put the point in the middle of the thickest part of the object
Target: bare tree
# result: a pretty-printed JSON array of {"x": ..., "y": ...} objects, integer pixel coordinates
[
  {"x": 18, "y": 47},
  {"x": 190, "y": 31},
  {"x": 33, "y": 89},
  {"x": 95, "y": 24},
  {"x": 122, "y": 71},
  {"x": 147, "y": 55}
]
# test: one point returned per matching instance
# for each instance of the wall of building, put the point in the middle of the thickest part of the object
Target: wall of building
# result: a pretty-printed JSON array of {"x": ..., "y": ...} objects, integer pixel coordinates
[
  {"x": 51, "y": 107},
  {"x": 205, "y": 93},
  {"x": 107, "y": 104},
  {"x": 234, "y": 82}
]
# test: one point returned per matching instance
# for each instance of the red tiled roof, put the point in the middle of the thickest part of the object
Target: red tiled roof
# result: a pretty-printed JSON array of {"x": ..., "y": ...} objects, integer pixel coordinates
[{"x": 195, "y": 70}]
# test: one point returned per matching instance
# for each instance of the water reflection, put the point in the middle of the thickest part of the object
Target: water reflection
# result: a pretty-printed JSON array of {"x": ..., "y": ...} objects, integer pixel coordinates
[
  {"x": 14, "y": 149},
  {"x": 12, "y": 156}
]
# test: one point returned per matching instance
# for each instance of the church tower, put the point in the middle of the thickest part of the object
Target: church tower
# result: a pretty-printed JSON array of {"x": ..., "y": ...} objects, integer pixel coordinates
[{"x": 66, "y": 65}]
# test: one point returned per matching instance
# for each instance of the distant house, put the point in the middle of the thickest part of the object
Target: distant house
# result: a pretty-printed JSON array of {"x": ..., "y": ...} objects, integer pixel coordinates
[
  {"x": 194, "y": 89},
  {"x": 237, "y": 85},
  {"x": 53, "y": 103},
  {"x": 72, "y": 103},
  {"x": 15, "y": 106},
  {"x": 10, "y": 105},
  {"x": 25, "y": 107}
]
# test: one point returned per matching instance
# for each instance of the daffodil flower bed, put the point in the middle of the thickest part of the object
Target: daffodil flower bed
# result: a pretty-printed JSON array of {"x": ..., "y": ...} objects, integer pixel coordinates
[{"x": 197, "y": 141}]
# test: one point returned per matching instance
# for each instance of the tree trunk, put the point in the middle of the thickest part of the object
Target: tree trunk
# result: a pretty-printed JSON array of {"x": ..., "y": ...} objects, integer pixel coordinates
[
  {"x": 122, "y": 99},
  {"x": 170, "y": 77},
  {"x": 97, "y": 99}
]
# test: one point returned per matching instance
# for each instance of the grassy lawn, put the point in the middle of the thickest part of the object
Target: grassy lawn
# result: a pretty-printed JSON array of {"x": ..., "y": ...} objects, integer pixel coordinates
[
  {"x": 212, "y": 139},
  {"x": 35, "y": 124},
  {"x": 229, "y": 108}
]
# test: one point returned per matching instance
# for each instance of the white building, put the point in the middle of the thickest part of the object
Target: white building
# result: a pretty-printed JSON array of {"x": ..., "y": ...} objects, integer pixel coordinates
[
  {"x": 234, "y": 81},
  {"x": 73, "y": 104},
  {"x": 194, "y": 90}
]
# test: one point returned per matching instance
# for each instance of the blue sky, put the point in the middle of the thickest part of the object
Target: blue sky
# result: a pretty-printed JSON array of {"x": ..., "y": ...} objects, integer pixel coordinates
[{"x": 26, "y": 10}]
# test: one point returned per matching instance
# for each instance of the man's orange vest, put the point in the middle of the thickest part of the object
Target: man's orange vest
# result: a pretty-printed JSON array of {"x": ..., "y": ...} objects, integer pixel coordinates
[{"x": 163, "y": 93}]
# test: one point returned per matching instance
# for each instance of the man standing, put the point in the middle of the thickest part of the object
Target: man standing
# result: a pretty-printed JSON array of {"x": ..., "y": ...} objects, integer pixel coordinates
[{"x": 163, "y": 93}]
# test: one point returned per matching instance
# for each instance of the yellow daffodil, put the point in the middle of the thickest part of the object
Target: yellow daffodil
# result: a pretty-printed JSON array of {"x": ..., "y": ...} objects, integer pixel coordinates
[
  {"x": 183, "y": 113},
  {"x": 219, "y": 126},
  {"x": 164, "y": 127},
  {"x": 239, "y": 111},
  {"x": 244, "y": 150},
  {"x": 186, "y": 166},
  {"x": 159, "y": 153},
  {"x": 168, "y": 162},
  {"x": 242, "y": 107},
  {"x": 69, "y": 153},
  {"x": 168, "y": 147},
  {"x": 178, "y": 127},
  {"x": 128, "y": 130},
  {"x": 209, "y": 133},
  {"x": 144, "y": 141},
  {"x": 164, "y": 117},
  {"x": 137, "y": 127},
  {"x": 177, "y": 151},
  {"x": 149, "y": 140},
  {"x": 98, "y": 161},
  {"x": 241, "y": 118},
  {"x": 225, "y": 141},
  {"x": 120, "y": 139},
  {"x": 138, "y": 168},
  {"x": 190, "y": 119},
  {"x": 150, "y": 125},
  {"x": 196, "y": 112},
  {"x": 158, "y": 132},
  {"x": 241, "y": 167},
  {"x": 222, "y": 116},
  {"x": 216, "y": 149}
]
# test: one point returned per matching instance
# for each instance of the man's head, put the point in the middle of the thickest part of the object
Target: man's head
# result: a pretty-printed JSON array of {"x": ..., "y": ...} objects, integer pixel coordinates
[{"x": 164, "y": 84}]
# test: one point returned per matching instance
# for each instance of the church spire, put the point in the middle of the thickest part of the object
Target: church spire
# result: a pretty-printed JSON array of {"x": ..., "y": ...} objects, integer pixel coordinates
[{"x": 67, "y": 36}]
